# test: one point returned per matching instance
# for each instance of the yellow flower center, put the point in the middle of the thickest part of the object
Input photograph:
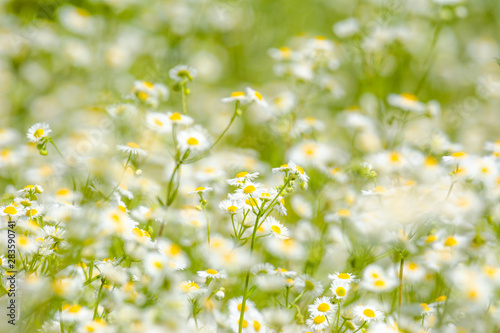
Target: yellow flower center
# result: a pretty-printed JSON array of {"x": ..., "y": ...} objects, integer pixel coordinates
[
  {"x": 379, "y": 189},
  {"x": 176, "y": 116},
  {"x": 10, "y": 210},
  {"x": 369, "y": 313},
  {"x": 411, "y": 97},
  {"x": 244, "y": 324},
  {"x": 251, "y": 202},
  {"x": 137, "y": 232},
  {"x": 450, "y": 241},
  {"x": 142, "y": 95},
  {"x": 258, "y": 95},
  {"x": 431, "y": 161},
  {"x": 379, "y": 283},
  {"x": 237, "y": 94},
  {"x": 249, "y": 189},
  {"x": 239, "y": 307},
  {"x": 395, "y": 157},
  {"x": 340, "y": 291},
  {"x": 300, "y": 170},
  {"x": 459, "y": 154},
  {"x": 286, "y": 51},
  {"x": 441, "y": 299},
  {"x": 63, "y": 191},
  {"x": 276, "y": 229},
  {"x": 38, "y": 133},
  {"x": 158, "y": 264},
  {"x": 74, "y": 308},
  {"x": 31, "y": 212},
  {"x": 232, "y": 209},
  {"x": 82, "y": 12},
  {"x": 133, "y": 145},
  {"x": 425, "y": 307},
  {"x": 323, "y": 307},
  {"x": 201, "y": 188},
  {"x": 344, "y": 213},
  {"x": 412, "y": 266},
  {"x": 192, "y": 141},
  {"x": 430, "y": 239},
  {"x": 148, "y": 85},
  {"x": 211, "y": 271},
  {"x": 344, "y": 276},
  {"x": 319, "y": 319},
  {"x": 256, "y": 325},
  {"x": 192, "y": 286},
  {"x": 158, "y": 122},
  {"x": 242, "y": 174}
]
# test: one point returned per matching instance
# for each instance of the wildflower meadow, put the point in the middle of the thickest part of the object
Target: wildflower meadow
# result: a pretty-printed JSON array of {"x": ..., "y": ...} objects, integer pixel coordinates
[{"x": 250, "y": 166}]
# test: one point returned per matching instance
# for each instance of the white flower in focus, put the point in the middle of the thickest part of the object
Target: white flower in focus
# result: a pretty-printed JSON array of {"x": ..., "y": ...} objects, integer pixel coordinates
[{"x": 38, "y": 131}]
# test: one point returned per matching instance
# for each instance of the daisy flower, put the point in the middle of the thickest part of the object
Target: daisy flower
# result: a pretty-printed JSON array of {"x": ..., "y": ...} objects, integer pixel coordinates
[
  {"x": 406, "y": 102},
  {"x": 13, "y": 210},
  {"x": 177, "y": 118},
  {"x": 35, "y": 211},
  {"x": 367, "y": 313},
  {"x": 235, "y": 305},
  {"x": 344, "y": 277},
  {"x": 235, "y": 96},
  {"x": 256, "y": 97},
  {"x": 307, "y": 283},
  {"x": 150, "y": 93},
  {"x": 201, "y": 189},
  {"x": 291, "y": 167},
  {"x": 181, "y": 72},
  {"x": 212, "y": 274},
  {"x": 158, "y": 122},
  {"x": 132, "y": 148},
  {"x": 37, "y": 132},
  {"x": 247, "y": 190},
  {"x": 377, "y": 190},
  {"x": 195, "y": 139},
  {"x": 318, "y": 322},
  {"x": 340, "y": 289},
  {"x": 283, "y": 53},
  {"x": 456, "y": 157},
  {"x": 121, "y": 109},
  {"x": 31, "y": 189},
  {"x": 230, "y": 206},
  {"x": 263, "y": 269},
  {"x": 277, "y": 229},
  {"x": 243, "y": 177},
  {"x": 322, "y": 306}
]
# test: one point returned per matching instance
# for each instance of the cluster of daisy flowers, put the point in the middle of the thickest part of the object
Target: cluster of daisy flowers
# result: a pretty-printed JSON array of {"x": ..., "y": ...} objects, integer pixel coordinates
[{"x": 150, "y": 213}]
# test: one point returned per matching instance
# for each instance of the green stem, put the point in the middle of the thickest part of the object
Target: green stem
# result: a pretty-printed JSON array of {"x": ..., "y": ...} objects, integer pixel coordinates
[
  {"x": 98, "y": 300},
  {"x": 235, "y": 114},
  {"x": 360, "y": 327},
  {"x": 206, "y": 217},
  {"x": 184, "y": 100},
  {"x": 401, "y": 267}
]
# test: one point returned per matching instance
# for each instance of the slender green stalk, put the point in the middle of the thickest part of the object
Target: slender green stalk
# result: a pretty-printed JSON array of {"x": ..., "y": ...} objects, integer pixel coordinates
[
  {"x": 252, "y": 244},
  {"x": 203, "y": 205},
  {"x": 360, "y": 327},
  {"x": 98, "y": 300},
  {"x": 184, "y": 99},
  {"x": 401, "y": 267},
  {"x": 199, "y": 157}
]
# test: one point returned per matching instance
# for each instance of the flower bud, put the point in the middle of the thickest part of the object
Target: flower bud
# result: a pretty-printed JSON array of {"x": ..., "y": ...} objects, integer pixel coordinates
[
  {"x": 219, "y": 295},
  {"x": 44, "y": 152}
]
